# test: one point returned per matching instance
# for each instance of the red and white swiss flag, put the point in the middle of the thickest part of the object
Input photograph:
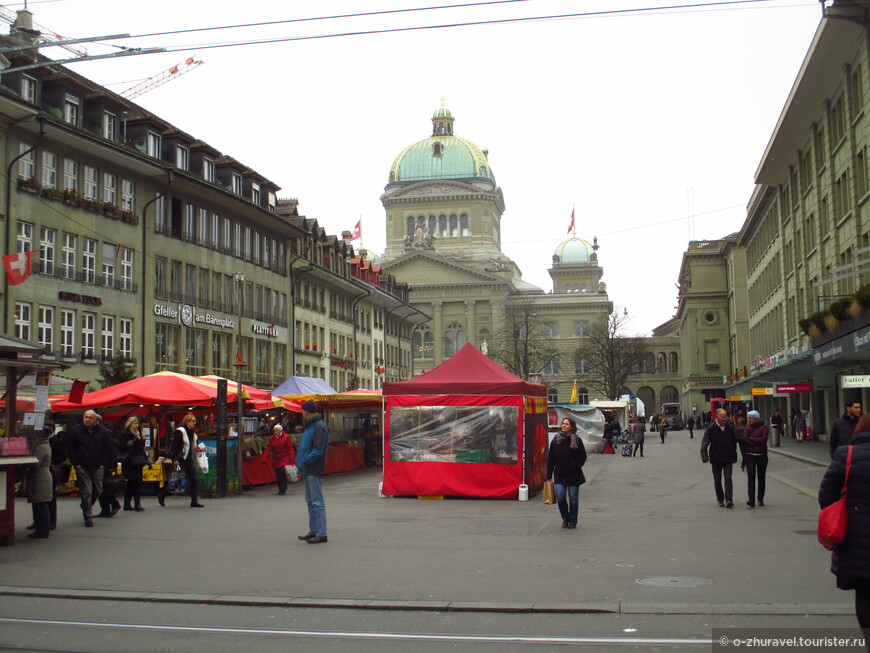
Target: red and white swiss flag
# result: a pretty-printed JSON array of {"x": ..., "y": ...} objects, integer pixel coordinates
[
  {"x": 571, "y": 226},
  {"x": 357, "y": 231},
  {"x": 18, "y": 267}
]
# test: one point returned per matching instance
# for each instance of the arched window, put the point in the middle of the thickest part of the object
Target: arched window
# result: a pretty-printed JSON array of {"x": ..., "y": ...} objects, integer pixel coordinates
[
  {"x": 673, "y": 362},
  {"x": 436, "y": 149},
  {"x": 454, "y": 226},
  {"x": 411, "y": 224},
  {"x": 669, "y": 394},
  {"x": 663, "y": 363},
  {"x": 423, "y": 343},
  {"x": 432, "y": 225},
  {"x": 442, "y": 226},
  {"x": 463, "y": 224},
  {"x": 649, "y": 363},
  {"x": 454, "y": 339}
]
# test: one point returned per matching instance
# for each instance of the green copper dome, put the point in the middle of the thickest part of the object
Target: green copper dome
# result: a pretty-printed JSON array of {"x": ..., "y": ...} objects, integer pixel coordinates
[
  {"x": 574, "y": 250},
  {"x": 441, "y": 156}
]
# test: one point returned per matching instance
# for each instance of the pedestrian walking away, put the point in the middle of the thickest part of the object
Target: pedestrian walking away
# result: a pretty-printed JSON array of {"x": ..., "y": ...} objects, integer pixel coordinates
[
  {"x": 565, "y": 461},
  {"x": 799, "y": 425},
  {"x": 754, "y": 463},
  {"x": 637, "y": 429},
  {"x": 719, "y": 448},
  {"x": 38, "y": 482},
  {"x": 89, "y": 447},
  {"x": 183, "y": 451},
  {"x": 663, "y": 429},
  {"x": 850, "y": 560},
  {"x": 690, "y": 426},
  {"x": 280, "y": 453},
  {"x": 311, "y": 462},
  {"x": 844, "y": 427}
]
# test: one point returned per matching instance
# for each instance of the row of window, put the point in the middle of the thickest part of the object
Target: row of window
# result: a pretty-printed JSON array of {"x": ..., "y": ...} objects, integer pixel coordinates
[
  {"x": 78, "y": 257},
  {"x": 77, "y": 332},
  {"x": 184, "y": 282},
  {"x": 88, "y": 183},
  {"x": 443, "y": 226}
]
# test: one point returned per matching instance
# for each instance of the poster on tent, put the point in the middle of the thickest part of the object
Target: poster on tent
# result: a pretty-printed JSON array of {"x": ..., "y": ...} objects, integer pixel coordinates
[
  {"x": 536, "y": 443},
  {"x": 455, "y": 445}
]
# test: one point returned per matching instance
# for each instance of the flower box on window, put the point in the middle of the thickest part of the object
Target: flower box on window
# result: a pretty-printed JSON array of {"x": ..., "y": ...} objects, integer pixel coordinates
[
  {"x": 92, "y": 205},
  {"x": 52, "y": 194},
  {"x": 29, "y": 184},
  {"x": 71, "y": 197},
  {"x": 111, "y": 211},
  {"x": 129, "y": 217}
]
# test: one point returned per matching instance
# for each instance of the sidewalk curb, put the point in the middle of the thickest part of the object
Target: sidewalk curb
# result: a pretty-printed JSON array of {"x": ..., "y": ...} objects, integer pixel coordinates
[
  {"x": 789, "y": 454},
  {"x": 627, "y": 607}
]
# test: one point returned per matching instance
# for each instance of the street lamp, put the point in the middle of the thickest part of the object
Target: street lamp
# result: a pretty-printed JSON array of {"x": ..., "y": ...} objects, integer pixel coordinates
[{"x": 240, "y": 365}]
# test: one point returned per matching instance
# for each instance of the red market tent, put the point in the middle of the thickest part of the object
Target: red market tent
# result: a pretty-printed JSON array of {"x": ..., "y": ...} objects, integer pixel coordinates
[{"x": 467, "y": 428}]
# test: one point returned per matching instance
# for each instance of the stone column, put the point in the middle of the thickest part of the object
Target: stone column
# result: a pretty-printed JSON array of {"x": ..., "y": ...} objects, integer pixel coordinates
[
  {"x": 471, "y": 323},
  {"x": 438, "y": 333}
]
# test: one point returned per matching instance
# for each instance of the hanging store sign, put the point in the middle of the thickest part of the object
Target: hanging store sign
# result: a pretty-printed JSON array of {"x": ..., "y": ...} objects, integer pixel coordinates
[
  {"x": 761, "y": 392},
  {"x": 855, "y": 381},
  {"x": 795, "y": 387}
]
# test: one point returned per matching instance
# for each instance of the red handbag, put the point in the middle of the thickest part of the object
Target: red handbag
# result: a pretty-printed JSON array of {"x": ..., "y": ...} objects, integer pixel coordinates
[{"x": 834, "y": 520}]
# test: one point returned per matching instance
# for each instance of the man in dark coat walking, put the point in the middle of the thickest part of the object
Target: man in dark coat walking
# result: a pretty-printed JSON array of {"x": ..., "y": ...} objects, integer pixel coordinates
[
  {"x": 719, "y": 448},
  {"x": 841, "y": 431},
  {"x": 89, "y": 447}
]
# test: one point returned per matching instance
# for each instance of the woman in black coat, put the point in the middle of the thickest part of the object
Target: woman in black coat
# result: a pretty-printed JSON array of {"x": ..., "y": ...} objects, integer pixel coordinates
[
  {"x": 850, "y": 560},
  {"x": 565, "y": 462},
  {"x": 133, "y": 461}
]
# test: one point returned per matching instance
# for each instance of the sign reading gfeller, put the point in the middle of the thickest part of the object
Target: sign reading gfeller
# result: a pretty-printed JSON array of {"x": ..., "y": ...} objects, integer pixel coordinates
[{"x": 855, "y": 381}]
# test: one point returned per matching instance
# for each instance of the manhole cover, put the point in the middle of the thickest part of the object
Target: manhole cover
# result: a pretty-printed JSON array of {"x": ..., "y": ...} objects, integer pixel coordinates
[{"x": 674, "y": 581}]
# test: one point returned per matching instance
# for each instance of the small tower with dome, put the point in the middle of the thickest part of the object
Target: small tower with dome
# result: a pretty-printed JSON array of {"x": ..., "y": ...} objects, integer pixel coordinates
[{"x": 575, "y": 267}]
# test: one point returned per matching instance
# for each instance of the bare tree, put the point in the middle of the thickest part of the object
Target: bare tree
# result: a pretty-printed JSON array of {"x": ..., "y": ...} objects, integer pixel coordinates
[
  {"x": 611, "y": 354},
  {"x": 524, "y": 346}
]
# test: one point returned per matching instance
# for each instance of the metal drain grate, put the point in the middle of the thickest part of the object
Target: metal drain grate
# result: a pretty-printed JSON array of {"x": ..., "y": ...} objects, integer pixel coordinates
[
  {"x": 806, "y": 532},
  {"x": 674, "y": 581}
]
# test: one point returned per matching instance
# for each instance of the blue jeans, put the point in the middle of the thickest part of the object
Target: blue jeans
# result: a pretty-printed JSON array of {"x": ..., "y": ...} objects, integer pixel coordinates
[
  {"x": 316, "y": 505},
  {"x": 566, "y": 494}
]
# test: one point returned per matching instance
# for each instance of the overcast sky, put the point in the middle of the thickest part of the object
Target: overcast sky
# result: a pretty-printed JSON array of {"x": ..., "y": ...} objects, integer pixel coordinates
[{"x": 650, "y": 124}]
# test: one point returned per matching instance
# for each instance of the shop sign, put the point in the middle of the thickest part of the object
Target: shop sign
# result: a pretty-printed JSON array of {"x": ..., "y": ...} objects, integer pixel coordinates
[
  {"x": 345, "y": 365},
  {"x": 735, "y": 398},
  {"x": 161, "y": 310},
  {"x": 855, "y": 381},
  {"x": 795, "y": 387},
  {"x": 80, "y": 299},
  {"x": 215, "y": 320},
  {"x": 188, "y": 316},
  {"x": 761, "y": 392},
  {"x": 268, "y": 330}
]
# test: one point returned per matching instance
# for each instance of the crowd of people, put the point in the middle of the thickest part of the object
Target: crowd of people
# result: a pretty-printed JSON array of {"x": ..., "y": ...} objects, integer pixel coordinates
[{"x": 93, "y": 451}]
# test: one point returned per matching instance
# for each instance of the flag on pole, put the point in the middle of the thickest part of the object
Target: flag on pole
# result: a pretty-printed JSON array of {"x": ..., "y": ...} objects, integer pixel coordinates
[
  {"x": 357, "y": 231},
  {"x": 18, "y": 267},
  {"x": 571, "y": 226},
  {"x": 574, "y": 396}
]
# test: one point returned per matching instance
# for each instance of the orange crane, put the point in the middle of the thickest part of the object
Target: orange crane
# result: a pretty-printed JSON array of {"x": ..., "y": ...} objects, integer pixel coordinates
[{"x": 158, "y": 80}]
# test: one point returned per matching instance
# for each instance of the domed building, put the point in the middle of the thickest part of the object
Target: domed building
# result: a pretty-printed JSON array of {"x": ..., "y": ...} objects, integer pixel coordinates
[{"x": 444, "y": 211}]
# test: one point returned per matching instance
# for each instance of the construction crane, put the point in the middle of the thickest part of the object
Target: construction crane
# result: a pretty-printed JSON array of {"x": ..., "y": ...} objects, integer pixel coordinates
[
  {"x": 46, "y": 35},
  {"x": 158, "y": 80}
]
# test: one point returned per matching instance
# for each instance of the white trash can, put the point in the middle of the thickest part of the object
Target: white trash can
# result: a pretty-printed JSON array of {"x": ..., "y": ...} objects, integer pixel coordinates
[{"x": 524, "y": 492}]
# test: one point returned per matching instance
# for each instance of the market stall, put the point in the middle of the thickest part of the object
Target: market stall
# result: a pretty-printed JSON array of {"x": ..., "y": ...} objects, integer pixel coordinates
[
  {"x": 18, "y": 358},
  {"x": 468, "y": 428}
]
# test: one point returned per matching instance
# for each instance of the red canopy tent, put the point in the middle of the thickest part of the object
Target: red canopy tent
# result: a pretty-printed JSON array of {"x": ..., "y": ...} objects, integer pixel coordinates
[{"x": 466, "y": 428}]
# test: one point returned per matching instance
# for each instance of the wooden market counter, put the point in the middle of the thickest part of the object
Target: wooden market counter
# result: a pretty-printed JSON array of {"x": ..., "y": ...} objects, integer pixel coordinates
[{"x": 8, "y": 465}]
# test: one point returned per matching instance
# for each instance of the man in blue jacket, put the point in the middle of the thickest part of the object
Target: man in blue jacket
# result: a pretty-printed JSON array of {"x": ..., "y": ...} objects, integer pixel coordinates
[{"x": 311, "y": 462}]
